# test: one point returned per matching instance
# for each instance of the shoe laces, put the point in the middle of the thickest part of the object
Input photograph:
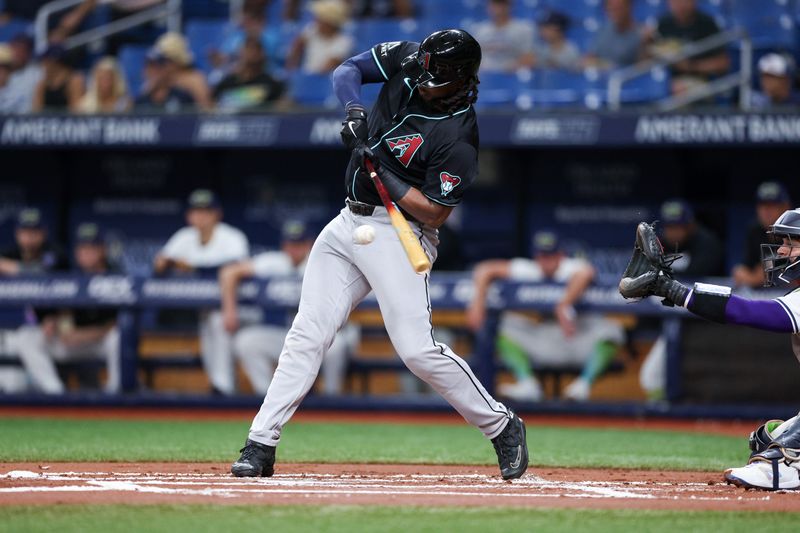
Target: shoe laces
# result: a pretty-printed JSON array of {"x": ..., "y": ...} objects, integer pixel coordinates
[
  {"x": 507, "y": 441},
  {"x": 248, "y": 452}
]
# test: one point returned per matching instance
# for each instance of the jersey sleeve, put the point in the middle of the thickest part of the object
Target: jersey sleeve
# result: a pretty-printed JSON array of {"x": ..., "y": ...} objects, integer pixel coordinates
[
  {"x": 451, "y": 170},
  {"x": 389, "y": 56},
  {"x": 791, "y": 304}
]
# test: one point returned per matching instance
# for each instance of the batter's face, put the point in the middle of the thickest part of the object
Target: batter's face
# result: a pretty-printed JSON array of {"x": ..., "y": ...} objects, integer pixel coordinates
[
  {"x": 203, "y": 219},
  {"x": 30, "y": 240}
]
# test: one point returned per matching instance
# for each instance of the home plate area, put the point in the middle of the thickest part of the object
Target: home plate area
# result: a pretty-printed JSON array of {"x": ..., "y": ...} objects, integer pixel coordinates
[{"x": 340, "y": 484}]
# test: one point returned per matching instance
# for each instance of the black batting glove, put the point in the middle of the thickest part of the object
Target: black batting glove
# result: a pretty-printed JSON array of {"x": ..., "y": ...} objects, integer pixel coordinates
[
  {"x": 354, "y": 127},
  {"x": 362, "y": 153}
]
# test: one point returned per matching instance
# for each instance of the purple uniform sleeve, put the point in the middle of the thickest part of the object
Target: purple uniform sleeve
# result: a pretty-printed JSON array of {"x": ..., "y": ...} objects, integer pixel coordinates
[
  {"x": 352, "y": 74},
  {"x": 768, "y": 315}
]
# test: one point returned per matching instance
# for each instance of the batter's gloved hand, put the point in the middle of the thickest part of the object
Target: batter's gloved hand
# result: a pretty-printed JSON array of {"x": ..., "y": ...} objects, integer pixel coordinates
[
  {"x": 649, "y": 272},
  {"x": 354, "y": 127},
  {"x": 396, "y": 187},
  {"x": 361, "y": 153}
]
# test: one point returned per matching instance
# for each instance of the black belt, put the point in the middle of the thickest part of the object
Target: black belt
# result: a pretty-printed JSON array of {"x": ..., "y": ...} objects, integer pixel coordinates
[{"x": 359, "y": 208}]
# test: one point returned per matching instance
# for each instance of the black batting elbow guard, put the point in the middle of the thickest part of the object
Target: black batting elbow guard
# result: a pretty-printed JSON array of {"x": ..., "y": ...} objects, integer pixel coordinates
[{"x": 709, "y": 301}]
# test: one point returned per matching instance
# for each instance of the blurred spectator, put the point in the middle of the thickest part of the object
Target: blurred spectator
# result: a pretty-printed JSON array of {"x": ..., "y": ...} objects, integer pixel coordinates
[
  {"x": 61, "y": 87},
  {"x": 776, "y": 75},
  {"x": 258, "y": 346},
  {"x": 17, "y": 96},
  {"x": 382, "y": 8},
  {"x": 171, "y": 52},
  {"x": 70, "y": 335},
  {"x": 772, "y": 199},
  {"x": 206, "y": 244},
  {"x": 172, "y": 83},
  {"x": 108, "y": 92},
  {"x": 554, "y": 49},
  {"x": 701, "y": 251},
  {"x": 6, "y": 64},
  {"x": 619, "y": 41},
  {"x": 323, "y": 44},
  {"x": 567, "y": 339},
  {"x": 686, "y": 24},
  {"x": 248, "y": 86},
  {"x": 252, "y": 24},
  {"x": 71, "y": 21},
  {"x": 506, "y": 42},
  {"x": 33, "y": 253}
]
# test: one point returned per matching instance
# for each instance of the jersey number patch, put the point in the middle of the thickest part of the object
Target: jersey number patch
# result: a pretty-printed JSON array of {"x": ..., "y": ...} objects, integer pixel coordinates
[
  {"x": 449, "y": 182},
  {"x": 405, "y": 147}
]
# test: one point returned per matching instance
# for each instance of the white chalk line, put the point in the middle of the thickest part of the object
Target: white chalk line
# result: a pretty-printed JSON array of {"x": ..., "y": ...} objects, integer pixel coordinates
[{"x": 349, "y": 485}]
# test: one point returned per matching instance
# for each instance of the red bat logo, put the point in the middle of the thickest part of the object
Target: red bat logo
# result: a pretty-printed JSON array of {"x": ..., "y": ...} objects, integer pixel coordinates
[
  {"x": 449, "y": 182},
  {"x": 405, "y": 146}
]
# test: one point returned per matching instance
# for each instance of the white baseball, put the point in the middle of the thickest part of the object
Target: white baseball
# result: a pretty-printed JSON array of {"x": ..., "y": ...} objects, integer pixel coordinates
[{"x": 364, "y": 234}]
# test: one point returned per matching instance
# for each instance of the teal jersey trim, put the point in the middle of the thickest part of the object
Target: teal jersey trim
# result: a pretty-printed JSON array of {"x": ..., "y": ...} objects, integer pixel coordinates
[{"x": 375, "y": 57}]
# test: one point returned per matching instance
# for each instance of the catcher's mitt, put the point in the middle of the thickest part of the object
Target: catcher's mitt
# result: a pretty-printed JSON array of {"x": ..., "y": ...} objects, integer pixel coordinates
[{"x": 649, "y": 266}]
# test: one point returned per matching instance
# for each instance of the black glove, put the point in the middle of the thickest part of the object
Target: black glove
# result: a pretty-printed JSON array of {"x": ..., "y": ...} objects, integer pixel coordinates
[
  {"x": 649, "y": 272},
  {"x": 396, "y": 187},
  {"x": 354, "y": 127}
]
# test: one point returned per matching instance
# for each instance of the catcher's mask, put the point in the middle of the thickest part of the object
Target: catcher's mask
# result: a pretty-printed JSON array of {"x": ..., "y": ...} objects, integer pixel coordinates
[{"x": 784, "y": 267}]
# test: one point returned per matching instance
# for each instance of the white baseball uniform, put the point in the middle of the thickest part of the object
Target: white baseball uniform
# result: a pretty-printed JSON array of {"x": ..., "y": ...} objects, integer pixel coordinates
[
  {"x": 258, "y": 346},
  {"x": 227, "y": 244},
  {"x": 338, "y": 276},
  {"x": 544, "y": 342}
]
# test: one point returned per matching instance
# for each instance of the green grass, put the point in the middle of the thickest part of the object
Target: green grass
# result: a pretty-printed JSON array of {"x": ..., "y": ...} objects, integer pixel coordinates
[
  {"x": 43, "y": 439},
  {"x": 195, "y": 518}
]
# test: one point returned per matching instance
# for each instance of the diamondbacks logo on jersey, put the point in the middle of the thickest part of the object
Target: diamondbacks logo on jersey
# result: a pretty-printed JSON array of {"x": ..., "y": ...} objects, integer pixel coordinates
[
  {"x": 386, "y": 47},
  {"x": 405, "y": 146},
  {"x": 449, "y": 182}
]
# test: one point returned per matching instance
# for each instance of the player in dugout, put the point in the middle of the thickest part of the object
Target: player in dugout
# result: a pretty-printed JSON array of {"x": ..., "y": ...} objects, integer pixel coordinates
[{"x": 775, "y": 459}]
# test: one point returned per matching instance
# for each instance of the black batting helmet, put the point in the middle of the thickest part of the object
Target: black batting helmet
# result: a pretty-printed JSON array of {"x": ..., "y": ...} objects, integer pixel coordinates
[
  {"x": 444, "y": 57},
  {"x": 785, "y": 267}
]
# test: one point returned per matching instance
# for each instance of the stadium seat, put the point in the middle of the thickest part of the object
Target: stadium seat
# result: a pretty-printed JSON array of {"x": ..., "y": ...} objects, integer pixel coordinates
[
  {"x": 369, "y": 92},
  {"x": 12, "y": 28},
  {"x": 206, "y": 9},
  {"x": 769, "y": 22},
  {"x": 500, "y": 89},
  {"x": 647, "y": 88},
  {"x": 132, "y": 59},
  {"x": 204, "y": 35},
  {"x": 453, "y": 13},
  {"x": 368, "y": 32},
  {"x": 577, "y": 9},
  {"x": 556, "y": 88},
  {"x": 312, "y": 90},
  {"x": 583, "y": 31}
]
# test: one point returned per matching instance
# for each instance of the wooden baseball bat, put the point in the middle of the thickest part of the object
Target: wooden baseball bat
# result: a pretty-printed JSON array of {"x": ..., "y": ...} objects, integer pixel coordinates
[{"x": 416, "y": 255}]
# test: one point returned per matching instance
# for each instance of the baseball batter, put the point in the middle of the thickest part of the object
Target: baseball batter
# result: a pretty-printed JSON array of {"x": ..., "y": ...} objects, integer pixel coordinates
[
  {"x": 422, "y": 137},
  {"x": 775, "y": 460}
]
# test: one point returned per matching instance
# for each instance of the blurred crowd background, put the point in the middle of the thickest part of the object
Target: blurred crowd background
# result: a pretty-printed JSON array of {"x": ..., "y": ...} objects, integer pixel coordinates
[{"x": 255, "y": 54}]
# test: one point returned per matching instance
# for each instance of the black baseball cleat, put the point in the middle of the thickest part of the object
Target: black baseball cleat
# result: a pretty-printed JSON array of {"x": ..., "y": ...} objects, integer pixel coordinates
[
  {"x": 256, "y": 460},
  {"x": 511, "y": 447}
]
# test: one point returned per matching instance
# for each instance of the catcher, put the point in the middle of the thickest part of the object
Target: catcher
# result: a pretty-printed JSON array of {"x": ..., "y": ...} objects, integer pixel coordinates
[{"x": 775, "y": 459}]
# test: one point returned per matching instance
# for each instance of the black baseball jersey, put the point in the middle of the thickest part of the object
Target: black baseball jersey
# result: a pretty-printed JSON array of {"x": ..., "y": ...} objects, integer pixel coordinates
[{"x": 433, "y": 152}]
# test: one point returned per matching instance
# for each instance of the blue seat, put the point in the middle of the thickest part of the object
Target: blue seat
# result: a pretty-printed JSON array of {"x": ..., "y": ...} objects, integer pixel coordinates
[
  {"x": 203, "y": 36},
  {"x": 769, "y": 23},
  {"x": 369, "y": 32},
  {"x": 558, "y": 88},
  {"x": 441, "y": 14},
  {"x": 583, "y": 31},
  {"x": 500, "y": 89},
  {"x": 132, "y": 58},
  {"x": 312, "y": 90},
  {"x": 577, "y": 9},
  {"x": 12, "y": 28},
  {"x": 369, "y": 93},
  {"x": 650, "y": 87},
  {"x": 205, "y": 9},
  {"x": 649, "y": 11}
]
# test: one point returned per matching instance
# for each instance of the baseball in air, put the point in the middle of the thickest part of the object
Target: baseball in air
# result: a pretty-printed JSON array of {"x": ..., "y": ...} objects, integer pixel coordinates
[{"x": 364, "y": 234}]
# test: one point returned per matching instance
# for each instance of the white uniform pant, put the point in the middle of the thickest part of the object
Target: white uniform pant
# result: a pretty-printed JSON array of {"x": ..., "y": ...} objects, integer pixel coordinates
[
  {"x": 338, "y": 276},
  {"x": 258, "y": 349},
  {"x": 546, "y": 344},
  {"x": 39, "y": 355}
]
